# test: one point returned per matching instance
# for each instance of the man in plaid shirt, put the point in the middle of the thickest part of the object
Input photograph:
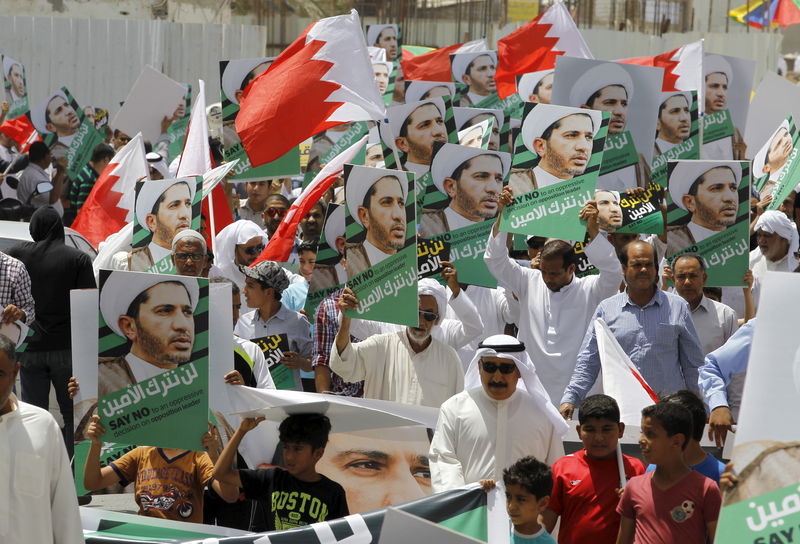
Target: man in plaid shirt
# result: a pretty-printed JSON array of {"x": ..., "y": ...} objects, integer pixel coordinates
[
  {"x": 326, "y": 326},
  {"x": 16, "y": 300}
]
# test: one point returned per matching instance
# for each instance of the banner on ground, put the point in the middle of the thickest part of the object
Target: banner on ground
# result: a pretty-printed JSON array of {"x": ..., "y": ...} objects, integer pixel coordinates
[
  {"x": 381, "y": 246},
  {"x": 552, "y": 179},
  {"x": 708, "y": 213},
  {"x": 765, "y": 504},
  {"x": 235, "y": 76}
]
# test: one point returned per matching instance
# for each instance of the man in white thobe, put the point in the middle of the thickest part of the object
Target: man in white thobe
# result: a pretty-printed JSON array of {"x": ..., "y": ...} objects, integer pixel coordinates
[
  {"x": 407, "y": 366},
  {"x": 777, "y": 244},
  {"x": 554, "y": 304},
  {"x": 39, "y": 501},
  {"x": 492, "y": 423}
]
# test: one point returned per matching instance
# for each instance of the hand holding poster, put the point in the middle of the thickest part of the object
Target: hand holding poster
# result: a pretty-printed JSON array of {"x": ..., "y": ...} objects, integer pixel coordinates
[
  {"x": 708, "y": 213},
  {"x": 461, "y": 205},
  {"x": 556, "y": 164},
  {"x": 153, "y": 365},
  {"x": 66, "y": 130},
  {"x": 381, "y": 244}
]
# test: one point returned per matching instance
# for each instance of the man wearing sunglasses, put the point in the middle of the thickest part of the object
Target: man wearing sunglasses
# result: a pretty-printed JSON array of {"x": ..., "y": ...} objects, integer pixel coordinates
[
  {"x": 189, "y": 253},
  {"x": 274, "y": 211},
  {"x": 407, "y": 366},
  {"x": 479, "y": 430},
  {"x": 555, "y": 305}
]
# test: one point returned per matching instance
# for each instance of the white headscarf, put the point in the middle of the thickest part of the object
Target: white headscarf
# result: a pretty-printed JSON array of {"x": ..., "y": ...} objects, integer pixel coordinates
[
  {"x": 429, "y": 286},
  {"x": 508, "y": 347},
  {"x": 238, "y": 232},
  {"x": 777, "y": 222}
]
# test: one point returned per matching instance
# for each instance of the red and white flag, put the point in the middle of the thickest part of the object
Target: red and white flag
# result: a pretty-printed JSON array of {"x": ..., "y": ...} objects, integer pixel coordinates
[
  {"x": 322, "y": 80},
  {"x": 621, "y": 379},
  {"x": 535, "y": 46},
  {"x": 196, "y": 156},
  {"x": 109, "y": 205},
  {"x": 21, "y": 131},
  {"x": 683, "y": 67},
  {"x": 435, "y": 65},
  {"x": 280, "y": 244}
]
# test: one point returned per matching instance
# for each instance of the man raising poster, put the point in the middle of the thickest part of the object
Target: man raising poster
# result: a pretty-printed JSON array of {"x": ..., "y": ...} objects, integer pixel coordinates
[
  {"x": 674, "y": 122},
  {"x": 709, "y": 191},
  {"x": 415, "y": 127},
  {"x": 562, "y": 138},
  {"x": 476, "y": 71},
  {"x": 472, "y": 178},
  {"x": 376, "y": 200}
]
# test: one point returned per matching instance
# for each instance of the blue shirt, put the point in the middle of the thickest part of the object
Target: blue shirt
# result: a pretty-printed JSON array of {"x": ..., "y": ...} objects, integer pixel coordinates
[
  {"x": 542, "y": 537},
  {"x": 711, "y": 468},
  {"x": 659, "y": 338},
  {"x": 724, "y": 365},
  {"x": 294, "y": 298}
]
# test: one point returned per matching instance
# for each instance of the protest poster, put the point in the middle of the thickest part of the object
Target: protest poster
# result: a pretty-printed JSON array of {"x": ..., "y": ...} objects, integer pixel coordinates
[
  {"x": 556, "y": 164},
  {"x": 473, "y": 74},
  {"x": 471, "y": 117},
  {"x": 162, "y": 208},
  {"x": 387, "y": 37},
  {"x": 329, "y": 274},
  {"x": 153, "y": 98},
  {"x": 775, "y": 164},
  {"x": 66, "y": 130},
  {"x": 273, "y": 347},
  {"x": 463, "y": 510},
  {"x": 764, "y": 506},
  {"x": 775, "y": 98},
  {"x": 536, "y": 86},
  {"x": 461, "y": 205},
  {"x": 423, "y": 90},
  {"x": 637, "y": 212},
  {"x": 708, "y": 213},
  {"x": 16, "y": 87},
  {"x": 152, "y": 366},
  {"x": 180, "y": 124},
  {"x": 631, "y": 95},
  {"x": 430, "y": 255},
  {"x": 235, "y": 76},
  {"x": 381, "y": 244},
  {"x": 726, "y": 97},
  {"x": 477, "y": 135},
  {"x": 677, "y": 133},
  {"x": 414, "y": 126},
  {"x": 17, "y": 332}
]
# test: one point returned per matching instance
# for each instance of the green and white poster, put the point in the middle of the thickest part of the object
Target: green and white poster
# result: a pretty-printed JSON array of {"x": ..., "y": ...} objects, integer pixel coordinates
[
  {"x": 162, "y": 208},
  {"x": 461, "y": 205},
  {"x": 153, "y": 359},
  {"x": 726, "y": 101},
  {"x": 775, "y": 165},
  {"x": 177, "y": 129},
  {"x": 708, "y": 213},
  {"x": 764, "y": 506},
  {"x": 637, "y": 211},
  {"x": 66, "y": 130},
  {"x": 677, "y": 133},
  {"x": 381, "y": 248},
  {"x": 556, "y": 164},
  {"x": 235, "y": 76},
  {"x": 274, "y": 347},
  {"x": 16, "y": 87}
]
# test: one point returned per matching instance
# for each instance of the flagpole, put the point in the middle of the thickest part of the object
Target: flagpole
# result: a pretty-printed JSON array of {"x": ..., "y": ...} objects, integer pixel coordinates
[
  {"x": 211, "y": 221},
  {"x": 621, "y": 466}
]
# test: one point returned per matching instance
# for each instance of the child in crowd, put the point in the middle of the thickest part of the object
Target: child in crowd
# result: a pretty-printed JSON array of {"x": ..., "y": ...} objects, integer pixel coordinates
[
  {"x": 586, "y": 484},
  {"x": 168, "y": 483},
  {"x": 697, "y": 459},
  {"x": 528, "y": 484},
  {"x": 298, "y": 495},
  {"x": 673, "y": 503}
]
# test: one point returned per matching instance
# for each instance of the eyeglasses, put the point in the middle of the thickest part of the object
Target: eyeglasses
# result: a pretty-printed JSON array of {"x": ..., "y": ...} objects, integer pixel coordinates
[
  {"x": 254, "y": 250},
  {"x": 429, "y": 316},
  {"x": 279, "y": 212},
  {"x": 492, "y": 367},
  {"x": 196, "y": 257}
]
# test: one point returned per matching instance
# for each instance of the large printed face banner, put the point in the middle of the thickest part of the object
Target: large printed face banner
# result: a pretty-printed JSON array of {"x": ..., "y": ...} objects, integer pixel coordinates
[
  {"x": 631, "y": 96},
  {"x": 473, "y": 74},
  {"x": 381, "y": 243},
  {"x": 728, "y": 82},
  {"x": 16, "y": 87},
  {"x": 387, "y": 37},
  {"x": 775, "y": 164},
  {"x": 235, "y": 76},
  {"x": 708, "y": 213}
]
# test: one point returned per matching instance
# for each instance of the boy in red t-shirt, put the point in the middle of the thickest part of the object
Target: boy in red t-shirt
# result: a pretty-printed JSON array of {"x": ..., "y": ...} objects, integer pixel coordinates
[
  {"x": 586, "y": 483},
  {"x": 673, "y": 503}
]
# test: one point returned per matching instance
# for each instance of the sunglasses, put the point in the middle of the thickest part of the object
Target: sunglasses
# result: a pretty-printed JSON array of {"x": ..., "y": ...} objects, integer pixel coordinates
[
  {"x": 429, "y": 316},
  {"x": 492, "y": 367},
  {"x": 253, "y": 250},
  {"x": 196, "y": 257},
  {"x": 273, "y": 212}
]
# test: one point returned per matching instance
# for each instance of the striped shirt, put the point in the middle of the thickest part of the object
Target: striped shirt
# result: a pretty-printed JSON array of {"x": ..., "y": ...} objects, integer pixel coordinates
[
  {"x": 15, "y": 286},
  {"x": 81, "y": 186},
  {"x": 659, "y": 338}
]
